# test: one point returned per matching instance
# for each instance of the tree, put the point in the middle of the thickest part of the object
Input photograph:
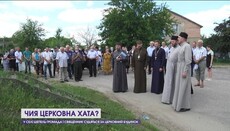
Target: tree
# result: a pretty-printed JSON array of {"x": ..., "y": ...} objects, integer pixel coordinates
[
  {"x": 6, "y": 44},
  {"x": 58, "y": 40},
  {"x": 127, "y": 21},
  {"x": 29, "y": 35},
  {"x": 58, "y": 33},
  {"x": 88, "y": 37},
  {"x": 50, "y": 42},
  {"x": 54, "y": 42},
  {"x": 220, "y": 41}
]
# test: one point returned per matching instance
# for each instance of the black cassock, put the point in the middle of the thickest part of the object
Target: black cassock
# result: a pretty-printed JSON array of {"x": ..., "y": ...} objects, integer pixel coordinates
[
  {"x": 120, "y": 83},
  {"x": 158, "y": 59}
]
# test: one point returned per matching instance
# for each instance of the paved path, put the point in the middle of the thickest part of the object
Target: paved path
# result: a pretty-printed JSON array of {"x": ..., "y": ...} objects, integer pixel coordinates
[{"x": 210, "y": 105}]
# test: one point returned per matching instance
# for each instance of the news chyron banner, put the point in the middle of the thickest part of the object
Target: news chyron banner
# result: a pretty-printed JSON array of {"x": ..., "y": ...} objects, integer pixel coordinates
[
  {"x": 67, "y": 116},
  {"x": 56, "y": 113}
]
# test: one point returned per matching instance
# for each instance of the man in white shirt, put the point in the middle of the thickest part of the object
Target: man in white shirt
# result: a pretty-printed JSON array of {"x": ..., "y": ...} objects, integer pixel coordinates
[
  {"x": 165, "y": 47},
  {"x": 18, "y": 56},
  {"x": 92, "y": 56},
  {"x": 47, "y": 57},
  {"x": 150, "y": 53},
  {"x": 199, "y": 56},
  {"x": 193, "y": 45},
  {"x": 62, "y": 58}
]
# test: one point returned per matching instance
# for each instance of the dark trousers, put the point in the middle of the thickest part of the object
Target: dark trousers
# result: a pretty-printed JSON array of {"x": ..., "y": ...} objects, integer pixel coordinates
[
  {"x": 41, "y": 68},
  {"x": 191, "y": 89},
  {"x": 149, "y": 64},
  {"x": 77, "y": 70},
  {"x": 54, "y": 67},
  {"x": 45, "y": 70},
  {"x": 165, "y": 63},
  {"x": 192, "y": 66},
  {"x": 27, "y": 65},
  {"x": 16, "y": 67},
  {"x": 92, "y": 67},
  {"x": 69, "y": 70},
  {"x": 37, "y": 68},
  {"x": 72, "y": 69}
]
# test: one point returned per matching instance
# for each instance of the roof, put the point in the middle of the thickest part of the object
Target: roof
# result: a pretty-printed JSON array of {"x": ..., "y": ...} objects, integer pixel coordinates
[{"x": 186, "y": 18}]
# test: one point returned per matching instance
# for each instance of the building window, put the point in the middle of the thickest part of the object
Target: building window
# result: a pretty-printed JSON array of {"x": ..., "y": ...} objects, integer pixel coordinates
[{"x": 175, "y": 28}]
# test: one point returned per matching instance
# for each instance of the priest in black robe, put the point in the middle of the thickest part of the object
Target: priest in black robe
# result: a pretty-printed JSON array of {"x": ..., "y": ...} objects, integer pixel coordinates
[{"x": 158, "y": 58}]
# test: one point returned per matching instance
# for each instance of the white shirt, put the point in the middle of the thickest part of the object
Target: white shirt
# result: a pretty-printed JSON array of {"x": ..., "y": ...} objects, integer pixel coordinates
[
  {"x": 210, "y": 52},
  {"x": 62, "y": 59},
  {"x": 51, "y": 53},
  {"x": 92, "y": 54},
  {"x": 99, "y": 54},
  {"x": 199, "y": 52},
  {"x": 150, "y": 50},
  {"x": 193, "y": 50},
  {"x": 18, "y": 55},
  {"x": 166, "y": 51},
  {"x": 47, "y": 56}
]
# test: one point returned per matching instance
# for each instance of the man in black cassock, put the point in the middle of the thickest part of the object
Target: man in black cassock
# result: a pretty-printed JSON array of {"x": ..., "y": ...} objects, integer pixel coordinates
[
  {"x": 158, "y": 58},
  {"x": 120, "y": 83}
]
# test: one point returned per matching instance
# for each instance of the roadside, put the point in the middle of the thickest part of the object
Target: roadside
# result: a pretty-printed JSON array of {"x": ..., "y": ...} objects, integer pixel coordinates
[
  {"x": 210, "y": 106},
  {"x": 210, "y": 110}
]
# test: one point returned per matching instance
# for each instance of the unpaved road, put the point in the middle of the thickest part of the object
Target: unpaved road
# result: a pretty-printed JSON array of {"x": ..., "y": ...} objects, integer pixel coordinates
[{"x": 210, "y": 105}]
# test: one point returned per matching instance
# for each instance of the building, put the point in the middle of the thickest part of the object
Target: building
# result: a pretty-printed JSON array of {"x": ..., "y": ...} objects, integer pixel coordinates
[{"x": 184, "y": 24}]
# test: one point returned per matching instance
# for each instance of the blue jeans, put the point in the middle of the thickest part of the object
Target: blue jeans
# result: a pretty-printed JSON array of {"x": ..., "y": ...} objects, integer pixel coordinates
[
  {"x": 70, "y": 70},
  {"x": 27, "y": 65},
  {"x": 45, "y": 70}
]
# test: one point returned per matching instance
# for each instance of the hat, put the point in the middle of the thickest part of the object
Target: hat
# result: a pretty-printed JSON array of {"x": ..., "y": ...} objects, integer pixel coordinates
[
  {"x": 174, "y": 37},
  {"x": 184, "y": 35}
]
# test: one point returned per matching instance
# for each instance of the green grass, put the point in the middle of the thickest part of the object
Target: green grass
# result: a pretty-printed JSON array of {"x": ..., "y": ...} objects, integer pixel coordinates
[
  {"x": 14, "y": 97},
  {"x": 221, "y": 62}
]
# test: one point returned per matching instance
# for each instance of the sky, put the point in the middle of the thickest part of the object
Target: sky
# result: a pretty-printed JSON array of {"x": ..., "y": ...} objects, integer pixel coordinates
[{"x": 74, "y": 17}]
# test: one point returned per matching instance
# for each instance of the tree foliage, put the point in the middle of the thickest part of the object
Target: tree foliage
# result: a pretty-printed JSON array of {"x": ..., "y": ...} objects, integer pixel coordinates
[
  {"x": 128, "y": 20},
  {"x": 58, "y": 33},
  {"x": 29, "y": 35},
  {"x": 6, "y": 43},
  {"x": 58, "y": 40},
  {"x": 220, "y": 41}
]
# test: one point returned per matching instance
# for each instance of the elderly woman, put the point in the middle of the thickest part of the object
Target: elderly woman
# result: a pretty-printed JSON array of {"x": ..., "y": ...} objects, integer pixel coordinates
[
  {"x": 12, "y": 60},
  {"x": 6, "y": 61},
  {"x": 107, "y": 68}
]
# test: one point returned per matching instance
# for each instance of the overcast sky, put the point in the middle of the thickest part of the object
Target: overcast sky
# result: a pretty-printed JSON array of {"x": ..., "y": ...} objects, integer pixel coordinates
[{"x": 75, "y": 16}]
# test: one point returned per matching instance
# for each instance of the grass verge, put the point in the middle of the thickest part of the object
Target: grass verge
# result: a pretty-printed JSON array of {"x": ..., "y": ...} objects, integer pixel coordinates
[{"x": 14, "y": 97}]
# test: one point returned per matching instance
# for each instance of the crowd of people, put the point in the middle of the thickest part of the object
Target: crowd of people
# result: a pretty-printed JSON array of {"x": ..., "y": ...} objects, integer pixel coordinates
[
  {"x": 171, "y": 66},
  {"x": 66, "y": 61}
]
